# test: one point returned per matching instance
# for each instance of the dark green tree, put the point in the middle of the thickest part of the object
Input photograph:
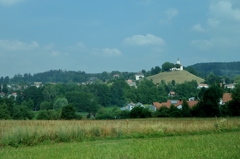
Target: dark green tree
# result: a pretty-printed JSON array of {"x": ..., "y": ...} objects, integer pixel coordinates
[
  {"x": 186, "y": 111},
  {"x": 174, "y": 111},
  {"x": 137, "y": 112},
  {"x": 117, "y": 92},
  {"x": 22, "y": 113},
  {"x": 234, "y": 105},
  {"x": 163, "y": 112},
  {"x": 46, "y": 105},
  {"x": 167, "y": 66},
  {"x": 4, "y": 112},
  {"x": 5, "y": 89},
  {"x": 68, "y": 112},
  {"x": 209, "y": 104}
]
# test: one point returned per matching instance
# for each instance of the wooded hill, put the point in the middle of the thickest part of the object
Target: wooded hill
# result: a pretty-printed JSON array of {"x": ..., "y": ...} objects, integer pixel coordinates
[
  {"x": 178, "y": 76},
  {"x": 230, "y": 69}
]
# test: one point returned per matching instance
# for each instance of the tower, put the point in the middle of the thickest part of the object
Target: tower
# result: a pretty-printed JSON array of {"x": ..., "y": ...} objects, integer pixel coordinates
[{"x": 178, "y": 62}]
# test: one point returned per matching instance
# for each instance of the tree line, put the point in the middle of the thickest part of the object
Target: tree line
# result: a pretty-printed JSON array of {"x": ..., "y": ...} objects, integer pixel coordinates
[{"x": 51, "y": 101}]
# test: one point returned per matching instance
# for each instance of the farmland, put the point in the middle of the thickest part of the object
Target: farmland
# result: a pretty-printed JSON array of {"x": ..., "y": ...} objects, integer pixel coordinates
[
  {"x": 206, "y": 146},
  {"x": 17, "y": 133},
  {"x": 121, "y": 139}
]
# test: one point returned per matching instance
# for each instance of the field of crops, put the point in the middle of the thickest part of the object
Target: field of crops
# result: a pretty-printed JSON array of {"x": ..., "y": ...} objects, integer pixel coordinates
[{"x": 17, "y": 133}]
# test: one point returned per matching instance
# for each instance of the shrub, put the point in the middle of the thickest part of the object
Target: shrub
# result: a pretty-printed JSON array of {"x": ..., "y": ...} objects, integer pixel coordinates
[
  {"x": 78, "y": 117},
  {"x": 136, "y": 112},
  {"x": 47, "y": 115},
  {"x": 104, "y": 116},
  {"x": 68, "y": 112},
  {"x": 42, "y": 115}
]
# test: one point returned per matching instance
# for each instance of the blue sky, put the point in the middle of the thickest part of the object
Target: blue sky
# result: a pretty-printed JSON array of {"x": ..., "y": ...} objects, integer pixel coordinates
[{"x": 108, "y": 35}]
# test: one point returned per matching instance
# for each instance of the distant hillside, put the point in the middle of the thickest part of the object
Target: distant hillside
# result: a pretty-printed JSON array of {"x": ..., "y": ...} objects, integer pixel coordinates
[
  {"x": 178, "y": 76},
  {"x": 69, "y": 76},
  {"x": 230, "y": 69}
]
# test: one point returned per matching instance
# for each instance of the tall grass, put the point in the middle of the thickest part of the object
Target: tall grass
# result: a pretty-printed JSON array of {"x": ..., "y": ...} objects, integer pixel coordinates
[{"x": 14, "y": 133}]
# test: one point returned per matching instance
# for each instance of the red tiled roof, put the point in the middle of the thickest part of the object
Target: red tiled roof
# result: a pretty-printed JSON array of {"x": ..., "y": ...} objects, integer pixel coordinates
[
  {"x": 168, "y": 104},
  {"x": 226, "y": 97},
  {"x": 202, "y": 85}
]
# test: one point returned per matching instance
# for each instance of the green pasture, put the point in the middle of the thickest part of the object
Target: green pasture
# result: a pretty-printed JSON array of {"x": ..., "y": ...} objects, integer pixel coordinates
[{"x": 205, "y": 146}]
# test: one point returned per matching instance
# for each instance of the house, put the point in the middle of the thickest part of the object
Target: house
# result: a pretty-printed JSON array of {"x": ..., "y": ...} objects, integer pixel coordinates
[
  {"x": 14, "y": 94},
  {"x": 171, "y": 94},
  {"x": 229, "y": 86},
  {"x": 139, "y": 75},
  {"x": 225, "y": 98},
  {"x": 92, "y": 80},
  {"x": 177, "y": 69},
  {"x": 191, "y": 99},
  {"x": 37, "y": 84},
  {"x": 116, "y": 76},
  {"x": 131, "y": 105},
  {"x": 202, "y": 86},
  {"x": 176, "y": 103},
  {"x": 131, "y": 83}
]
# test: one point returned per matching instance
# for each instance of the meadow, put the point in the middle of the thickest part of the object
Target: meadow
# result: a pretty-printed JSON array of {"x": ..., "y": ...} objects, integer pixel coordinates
[
  {"x": 16, "y": 133},
  {"x": 178, "y": 76},
  {"x": 204, "y": 146}
]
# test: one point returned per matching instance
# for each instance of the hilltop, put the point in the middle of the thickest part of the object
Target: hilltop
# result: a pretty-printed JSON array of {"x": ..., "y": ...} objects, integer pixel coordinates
[{"x": 178, "y": 76}]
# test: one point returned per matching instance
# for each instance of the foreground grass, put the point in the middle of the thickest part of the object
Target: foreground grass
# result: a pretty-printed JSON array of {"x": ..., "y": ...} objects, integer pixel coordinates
[
  {"x": 219, "y": 146},
  {"x": 17, "y": 133}
]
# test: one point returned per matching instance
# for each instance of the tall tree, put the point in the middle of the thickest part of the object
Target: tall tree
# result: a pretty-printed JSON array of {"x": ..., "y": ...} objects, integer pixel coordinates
[
  {"x": 117, "y": 92},
  {"x": 186, "y": 111},
  {"x": 60, "y": 103},
  {"x": 167, "y": 66},
  {"x": 234, "y": 105},
  {"x": 209, "y": 104}
]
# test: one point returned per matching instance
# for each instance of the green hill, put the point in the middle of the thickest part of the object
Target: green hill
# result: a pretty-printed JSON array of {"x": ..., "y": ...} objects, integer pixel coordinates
[
  {"x": 218, "y": 68},
  {"x": 178, "y": 76}
]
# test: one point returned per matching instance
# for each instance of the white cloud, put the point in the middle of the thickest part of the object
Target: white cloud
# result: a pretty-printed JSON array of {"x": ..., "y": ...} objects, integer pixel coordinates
[
  {"x": 10, "y": 2},
  {"x": 106, "y": 52},
  {"x": 224, "y": 9},
  {"x": 171, "y": 13},
  {"x": 213, "y": 22},
  {"x": 111, "y": 52},
  {"x": 54, "y": 53},
  {"x": 141, "y": 40},
  {"x": 146, "y": 2},
  {"x": 17, "y": 45},
  {"x": 49, "y": 46},
  {"x": 80, "y": 45},
  {"x": 217, "y": 42},
  {"x": 198, "y": 27}
]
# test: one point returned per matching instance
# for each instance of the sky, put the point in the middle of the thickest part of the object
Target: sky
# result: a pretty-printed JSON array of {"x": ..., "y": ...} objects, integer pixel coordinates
[{"x": 111, "y": 35}]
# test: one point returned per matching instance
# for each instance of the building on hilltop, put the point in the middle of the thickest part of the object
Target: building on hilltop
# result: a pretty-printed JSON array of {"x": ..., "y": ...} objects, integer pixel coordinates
[
  {"x": 139, "y": 76},
  {"x": 178, "y": 66}
]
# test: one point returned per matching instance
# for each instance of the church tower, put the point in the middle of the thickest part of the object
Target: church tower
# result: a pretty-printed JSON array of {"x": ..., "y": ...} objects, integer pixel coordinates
[{"x": 178, "y": 62}]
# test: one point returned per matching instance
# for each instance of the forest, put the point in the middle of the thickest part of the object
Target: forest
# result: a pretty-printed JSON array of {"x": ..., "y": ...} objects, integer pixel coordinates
[{"x": 230, "y": 69}]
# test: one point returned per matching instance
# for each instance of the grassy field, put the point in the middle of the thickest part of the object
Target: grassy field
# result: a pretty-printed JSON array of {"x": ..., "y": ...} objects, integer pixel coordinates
[
  {"x": 206, "y": 146},
  {"x": 178, "y": 76},
  {"x": 17, "y": 133}
]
